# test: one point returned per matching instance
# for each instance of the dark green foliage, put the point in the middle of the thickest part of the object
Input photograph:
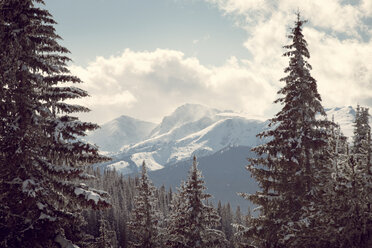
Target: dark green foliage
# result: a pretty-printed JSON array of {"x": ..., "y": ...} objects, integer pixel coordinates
[
  {"x": 106, "y": 237},
  {"x": 192, "y": 222},
  {"x": 144, "y": 221},
  {"x": 289, "y": 163},
  {"x": 362, "y": 131},
  {"x": 343, "y": 217},
  {"x": 123, "y": 191},
  {"x": 41, "y": 156}
]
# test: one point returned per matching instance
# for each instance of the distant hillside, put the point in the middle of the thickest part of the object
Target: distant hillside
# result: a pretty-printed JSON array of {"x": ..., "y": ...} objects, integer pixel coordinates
[{"x": 224, "y": 174}]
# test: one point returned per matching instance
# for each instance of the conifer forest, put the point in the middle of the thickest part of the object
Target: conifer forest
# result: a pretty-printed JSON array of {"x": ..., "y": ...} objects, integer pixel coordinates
[{"x": 314, "y": 184}]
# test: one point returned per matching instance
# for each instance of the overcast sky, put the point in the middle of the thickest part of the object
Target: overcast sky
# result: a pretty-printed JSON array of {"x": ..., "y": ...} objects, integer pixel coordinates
[{"x": 144, "y": 58}]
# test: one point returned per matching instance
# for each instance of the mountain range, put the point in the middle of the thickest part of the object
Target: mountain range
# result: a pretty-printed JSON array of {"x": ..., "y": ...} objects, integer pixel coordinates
[{"x": 221, "y": 140}]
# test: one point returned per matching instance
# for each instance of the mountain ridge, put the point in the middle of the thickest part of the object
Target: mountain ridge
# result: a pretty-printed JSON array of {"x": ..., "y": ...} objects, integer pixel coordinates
[
  {"x": 194, "y": 129},
  {"x": 119, "y": 132}
]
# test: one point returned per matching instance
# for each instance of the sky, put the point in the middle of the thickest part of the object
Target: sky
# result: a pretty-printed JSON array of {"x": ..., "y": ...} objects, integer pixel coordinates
[{"x": 144, "y": 58}]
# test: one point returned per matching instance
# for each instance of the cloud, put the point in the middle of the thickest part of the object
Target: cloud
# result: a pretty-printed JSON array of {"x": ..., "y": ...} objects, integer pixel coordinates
[
  {"x": 151, "y": 84},
  {"x": 338, "y": 35}
]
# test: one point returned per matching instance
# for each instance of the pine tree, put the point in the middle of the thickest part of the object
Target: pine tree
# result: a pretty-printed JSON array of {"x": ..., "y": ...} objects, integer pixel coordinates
[
  {"x": 344, "y": 220},
  {"x": 322, "y": 228},
  {"x": 359, "y": 175},
  {"x": 192, "y": 222},
  {"x": 42, "y": 158},
  {"x": 144, "y": 223},
  {"x": 288, "y": 165},
  {"x": 106, "y": 236},
  {"x": 361, "y": 129}
]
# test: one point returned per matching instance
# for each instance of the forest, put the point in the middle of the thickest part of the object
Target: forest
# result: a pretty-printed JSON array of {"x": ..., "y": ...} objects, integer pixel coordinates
[{"x": 315, "y": 187}]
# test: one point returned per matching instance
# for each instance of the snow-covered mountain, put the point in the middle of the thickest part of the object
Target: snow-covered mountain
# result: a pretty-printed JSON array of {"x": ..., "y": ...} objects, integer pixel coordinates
[
  {"x": 191, "y": 129},
  {"x": 121, "y": 131},
  {"x": 220, "y": 139},
  {"x": 345, "y": 117}
]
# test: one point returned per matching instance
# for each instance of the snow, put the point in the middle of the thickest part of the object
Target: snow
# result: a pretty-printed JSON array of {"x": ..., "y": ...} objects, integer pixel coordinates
[
  {"x": 89, "y": 195},
  {"x": 46, "y": 217},
  {"x": 345, "y": 117},
  {"x": 124, "y": 130},
  {"x": 27, "y": 187},
  {"x": 198, "y": 130},
  {"x": 186, "y": 113},
  {"x": 205, "y": 133},
  {"x": 64, "y": 243},
  {"x": 122, "y": 166},
  {"x": 40, "y": 205},
  {"x": 151, "y": 163}
]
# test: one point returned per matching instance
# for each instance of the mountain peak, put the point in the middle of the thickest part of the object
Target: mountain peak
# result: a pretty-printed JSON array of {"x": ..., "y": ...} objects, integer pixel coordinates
[
  {"x": 186, "y": 113},
  {"x": 121, "y": 131},
  {"x": 344, "y": 116}
]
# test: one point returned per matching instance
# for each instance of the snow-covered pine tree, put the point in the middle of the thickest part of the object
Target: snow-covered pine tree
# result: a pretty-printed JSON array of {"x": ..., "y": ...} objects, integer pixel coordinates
[
  {"x": 287, "y": 165},
  {"x": 343, "y": 220},
  {"x": 177, "y": 229},
  {"x": 42, "y": 158},
  {"x": 192, "y": 222},
  {"x": 144, "y": 223},
  {"x": 360, "y": 180},
  {"x": 321, "y": 218},
  {"x": 106, "y": 236},
  {"x": 361, "y": 129}
]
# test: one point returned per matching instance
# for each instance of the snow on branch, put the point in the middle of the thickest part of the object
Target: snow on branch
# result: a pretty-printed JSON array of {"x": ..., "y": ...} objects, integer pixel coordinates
[
  {"x": 64, "y": 243},
  {"x": 92, "y": 195}
]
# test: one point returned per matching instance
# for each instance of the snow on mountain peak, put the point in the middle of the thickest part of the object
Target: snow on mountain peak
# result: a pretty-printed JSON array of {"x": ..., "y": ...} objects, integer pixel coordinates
[
  {"x": 194, "y": 129},
  {"x": 184, "y": 114},
  {"x": 121, "y": 131},
  {"x": 344, "y": 116}
]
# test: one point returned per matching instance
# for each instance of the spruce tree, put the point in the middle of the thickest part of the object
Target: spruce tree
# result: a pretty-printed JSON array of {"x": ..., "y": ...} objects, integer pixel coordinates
[
  {"x": 361, "y": 130},
  {"x": 144, "y": 223},
  {"x": 42, "y": 157},
  {"x": 192, "y": 222},
  {"x": 344, "y": 220},
  {"x": 357, "y": 178},
  {"x": 322, "y": 218},
  {"x": 288, "y": 165},
  {"x": 106, "y": 236}
]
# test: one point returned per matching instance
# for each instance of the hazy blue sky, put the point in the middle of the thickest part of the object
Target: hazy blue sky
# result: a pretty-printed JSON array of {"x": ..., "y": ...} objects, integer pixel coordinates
[
  {"x": 93, "y": 28},
  {"x": 144, "y": 58}
]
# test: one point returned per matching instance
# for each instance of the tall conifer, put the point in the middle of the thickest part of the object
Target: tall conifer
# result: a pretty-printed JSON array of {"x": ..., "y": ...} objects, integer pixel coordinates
[
  {"x": 287, "y": 165},
  {"x": 42, "y": 158},
  {"x": 192, "y": 222},
  {"x": 144, "y": 223}
]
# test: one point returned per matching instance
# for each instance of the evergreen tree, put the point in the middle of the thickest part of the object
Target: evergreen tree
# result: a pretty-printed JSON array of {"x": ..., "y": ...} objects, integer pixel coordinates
[
  {"x": 361, "y": 130},
  {"x": 238, "y": 216},
  {"x": 42, "y": 158},
  {"x": 322, "y": 217},
  {"x": 345, "y": 218},
  {"x": 357, "y": 185},
  {"x": 192, "y": 222},
  {"x": 106, "y": 236},
  {"x": 144, "y": 223},
  {"x": 289, "y": 164}
]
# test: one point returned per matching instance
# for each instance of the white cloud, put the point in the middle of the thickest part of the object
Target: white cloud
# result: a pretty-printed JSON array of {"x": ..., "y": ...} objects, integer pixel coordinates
[
  {"x": 149, "y": 85},
  {"x": 341, "y": 59},
  {"x": 330, "y": 14}
]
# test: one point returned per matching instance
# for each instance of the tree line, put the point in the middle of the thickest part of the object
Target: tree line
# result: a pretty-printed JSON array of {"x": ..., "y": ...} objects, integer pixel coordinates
[{"x": 145, "y": 216}]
